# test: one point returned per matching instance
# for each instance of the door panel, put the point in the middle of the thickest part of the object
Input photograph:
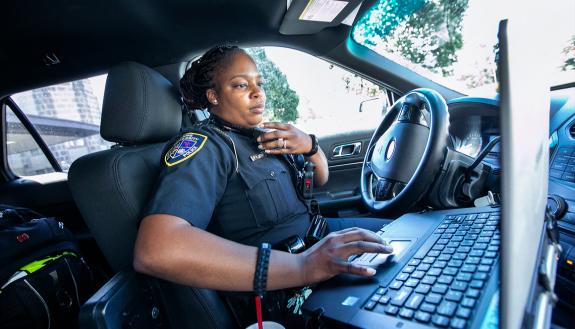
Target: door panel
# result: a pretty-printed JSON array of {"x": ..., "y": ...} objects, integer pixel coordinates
[
  {"x": 340, "y": 196},
  {"x": 52, "y": 198}
]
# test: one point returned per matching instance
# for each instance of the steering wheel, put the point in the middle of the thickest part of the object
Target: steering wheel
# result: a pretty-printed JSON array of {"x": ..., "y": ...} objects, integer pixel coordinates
[{"x": 405, "y": 153}]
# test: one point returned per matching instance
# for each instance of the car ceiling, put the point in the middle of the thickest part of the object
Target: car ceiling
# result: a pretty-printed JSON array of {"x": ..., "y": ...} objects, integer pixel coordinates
[{"x": 88, "y": 37}]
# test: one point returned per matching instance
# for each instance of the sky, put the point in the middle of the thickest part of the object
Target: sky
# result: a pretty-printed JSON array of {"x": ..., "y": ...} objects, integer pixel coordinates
[{"x": 556, "y": 17}]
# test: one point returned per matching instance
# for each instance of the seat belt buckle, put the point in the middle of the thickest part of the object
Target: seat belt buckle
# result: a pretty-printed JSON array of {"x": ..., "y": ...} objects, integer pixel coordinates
[{"x": 316, "y": 230}]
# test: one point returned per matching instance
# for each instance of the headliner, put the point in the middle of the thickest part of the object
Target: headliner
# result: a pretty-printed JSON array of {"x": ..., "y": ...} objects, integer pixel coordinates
[{"x": 90, "y": 36}]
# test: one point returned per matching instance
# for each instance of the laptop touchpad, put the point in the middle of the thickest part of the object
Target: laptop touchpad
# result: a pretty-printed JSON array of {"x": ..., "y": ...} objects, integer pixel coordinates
[{"x": 375, "y": 260}]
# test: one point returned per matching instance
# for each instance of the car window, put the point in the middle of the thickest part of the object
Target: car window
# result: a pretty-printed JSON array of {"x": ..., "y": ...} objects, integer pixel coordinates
[
  {"x": 317, "y": 96},
  {"x": 67, "y": 117},
  {"x": 25, "y": 157},
  {"x": 454, "y": 42}
]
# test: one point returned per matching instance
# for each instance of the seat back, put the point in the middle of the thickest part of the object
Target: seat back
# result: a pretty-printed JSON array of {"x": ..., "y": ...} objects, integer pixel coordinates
[{"x": 141, "y": 111}]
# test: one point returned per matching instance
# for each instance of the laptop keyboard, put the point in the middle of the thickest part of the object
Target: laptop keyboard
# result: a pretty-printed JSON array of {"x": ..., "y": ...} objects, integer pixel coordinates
[{"x": 441, "y": 284}]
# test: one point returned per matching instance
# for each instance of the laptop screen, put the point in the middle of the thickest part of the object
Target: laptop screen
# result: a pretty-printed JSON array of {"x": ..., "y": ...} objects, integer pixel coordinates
[{"x": 524, "y": 120}]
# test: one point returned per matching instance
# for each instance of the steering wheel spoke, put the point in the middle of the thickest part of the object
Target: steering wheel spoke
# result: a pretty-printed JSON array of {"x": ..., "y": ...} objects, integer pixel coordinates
[
  {"x": 383, "y": 189},
  {"x": 399, "y": 186},
  {"x": 367, "y": 169}
]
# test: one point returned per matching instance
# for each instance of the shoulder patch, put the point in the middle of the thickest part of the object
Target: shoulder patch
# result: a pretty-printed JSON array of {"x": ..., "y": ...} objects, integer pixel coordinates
[{"x": 184, "y": 148}]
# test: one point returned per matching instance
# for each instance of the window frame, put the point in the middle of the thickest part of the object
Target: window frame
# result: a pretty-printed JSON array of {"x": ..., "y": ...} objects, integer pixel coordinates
[{"x": 8, "y": 102}]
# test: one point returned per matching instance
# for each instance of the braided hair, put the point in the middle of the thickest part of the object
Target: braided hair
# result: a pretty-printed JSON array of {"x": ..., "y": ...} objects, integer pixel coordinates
[{"x": 200, "y": 76}]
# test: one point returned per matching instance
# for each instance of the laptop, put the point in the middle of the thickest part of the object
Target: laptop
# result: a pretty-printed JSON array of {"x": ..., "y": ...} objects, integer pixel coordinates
[{"x": 463, "y": 268}]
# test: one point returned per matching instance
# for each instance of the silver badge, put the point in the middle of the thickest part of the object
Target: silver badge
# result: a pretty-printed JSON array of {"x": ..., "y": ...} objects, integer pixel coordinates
[{"x": 257, "y": 156}]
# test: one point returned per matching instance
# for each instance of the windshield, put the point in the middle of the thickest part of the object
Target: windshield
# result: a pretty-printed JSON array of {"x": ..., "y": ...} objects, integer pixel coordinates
[{"x": 453, "y": 42}]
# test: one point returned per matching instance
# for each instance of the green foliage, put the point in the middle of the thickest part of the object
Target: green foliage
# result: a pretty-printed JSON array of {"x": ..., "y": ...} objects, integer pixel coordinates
[
  {"x": 426, "y": 34},
  {"x": 437, "y": 28},
  {"x": 569, "y": 55},
  {"x": 282, "y": 101},
  {"x": 384, "y": 19}
]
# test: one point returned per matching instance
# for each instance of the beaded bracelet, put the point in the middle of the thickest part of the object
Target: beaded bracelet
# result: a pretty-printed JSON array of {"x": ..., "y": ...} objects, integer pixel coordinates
[
  {"x": 314, "y": 146},
  {"x": 261, "y": 274}
]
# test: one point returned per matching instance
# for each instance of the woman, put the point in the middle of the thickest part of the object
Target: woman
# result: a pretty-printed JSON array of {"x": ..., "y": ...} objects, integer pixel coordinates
[{"x": 222, "y": 193}]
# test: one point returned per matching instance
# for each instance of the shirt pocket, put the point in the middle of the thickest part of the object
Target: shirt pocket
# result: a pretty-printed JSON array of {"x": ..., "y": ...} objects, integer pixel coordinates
[{"x": 264, "y": 193}]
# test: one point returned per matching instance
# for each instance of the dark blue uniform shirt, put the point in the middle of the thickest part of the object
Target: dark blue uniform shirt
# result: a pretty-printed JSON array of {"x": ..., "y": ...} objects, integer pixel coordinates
[{"x": 216, "y": 179}]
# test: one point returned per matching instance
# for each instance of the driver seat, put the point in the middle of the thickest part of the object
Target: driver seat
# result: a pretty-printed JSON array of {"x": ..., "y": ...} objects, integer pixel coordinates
[{"x": 141, "y": 111}]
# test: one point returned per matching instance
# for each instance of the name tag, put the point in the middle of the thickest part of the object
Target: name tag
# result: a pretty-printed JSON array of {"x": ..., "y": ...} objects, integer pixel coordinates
[{"x": 257, "y": 156}]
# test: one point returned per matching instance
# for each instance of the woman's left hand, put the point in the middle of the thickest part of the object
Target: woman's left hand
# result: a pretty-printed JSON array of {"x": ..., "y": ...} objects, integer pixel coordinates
[{"x": 284, "y": 139}]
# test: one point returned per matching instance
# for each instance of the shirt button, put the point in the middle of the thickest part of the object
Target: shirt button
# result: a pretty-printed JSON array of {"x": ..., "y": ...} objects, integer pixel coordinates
[{"x": 272, "y": 173}]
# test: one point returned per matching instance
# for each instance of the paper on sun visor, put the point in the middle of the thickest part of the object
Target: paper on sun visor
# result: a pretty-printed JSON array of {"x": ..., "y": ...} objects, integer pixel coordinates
[
  {"x": 322, "y": 10},
  {"x": 351, "y": 17}
]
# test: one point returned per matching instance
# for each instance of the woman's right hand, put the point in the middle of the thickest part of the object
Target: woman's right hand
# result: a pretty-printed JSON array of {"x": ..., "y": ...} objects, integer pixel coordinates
[{"x": 329, "y": 256}]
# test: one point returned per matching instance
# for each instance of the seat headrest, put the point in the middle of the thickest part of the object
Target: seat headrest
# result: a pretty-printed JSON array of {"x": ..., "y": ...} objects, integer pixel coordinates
[{"x": 140, "y": 106}]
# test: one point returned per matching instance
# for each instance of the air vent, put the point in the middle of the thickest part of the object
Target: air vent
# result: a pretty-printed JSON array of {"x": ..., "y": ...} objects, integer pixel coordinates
[{"x": 572, "y": 130}]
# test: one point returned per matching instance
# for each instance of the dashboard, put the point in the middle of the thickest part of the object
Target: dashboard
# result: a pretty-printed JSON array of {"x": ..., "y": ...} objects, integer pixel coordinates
[
  {"x": 562, "y": 184},
  {"x": 562, "y": 151},
  {"x": 562, "y": 138},
  {"x": 474, "y": 123}
]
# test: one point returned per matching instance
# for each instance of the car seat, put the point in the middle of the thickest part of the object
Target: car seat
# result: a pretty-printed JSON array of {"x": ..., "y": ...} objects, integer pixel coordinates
[{"x": 141, "y": 111}]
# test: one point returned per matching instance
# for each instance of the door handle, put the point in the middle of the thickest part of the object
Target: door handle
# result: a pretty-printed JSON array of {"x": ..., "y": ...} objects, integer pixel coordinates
[{"x": 346, "y": 150}]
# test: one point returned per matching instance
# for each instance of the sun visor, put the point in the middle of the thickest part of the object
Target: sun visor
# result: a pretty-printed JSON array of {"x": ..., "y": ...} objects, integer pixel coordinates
[{"x": 312, "y": 16}]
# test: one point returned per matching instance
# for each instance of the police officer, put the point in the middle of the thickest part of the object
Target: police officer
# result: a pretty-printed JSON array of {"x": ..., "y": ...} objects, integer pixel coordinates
[{"x": 226, "y": 188}]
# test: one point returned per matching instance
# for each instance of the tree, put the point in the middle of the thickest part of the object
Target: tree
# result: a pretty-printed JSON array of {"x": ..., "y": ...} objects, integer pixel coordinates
[
  {"x": 282, "y": 101},
  {"x": 428, "y": 34},
  {"x": 437, "y": 27},
  {"x": 569, "y": 55}
]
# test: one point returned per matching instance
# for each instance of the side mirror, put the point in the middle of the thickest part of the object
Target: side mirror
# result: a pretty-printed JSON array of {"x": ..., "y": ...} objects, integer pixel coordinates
[{"x": 376, "y": 104}]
